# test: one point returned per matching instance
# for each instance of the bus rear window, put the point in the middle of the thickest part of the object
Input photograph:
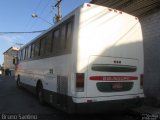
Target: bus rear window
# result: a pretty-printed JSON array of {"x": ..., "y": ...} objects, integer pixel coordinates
[{"x": 113, "y": 68}]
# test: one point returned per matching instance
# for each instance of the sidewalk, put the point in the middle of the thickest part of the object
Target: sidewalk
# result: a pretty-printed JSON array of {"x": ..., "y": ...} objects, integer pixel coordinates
[
  {"x": 145, "y": 109},
  {"x": 147, "y": 112}
]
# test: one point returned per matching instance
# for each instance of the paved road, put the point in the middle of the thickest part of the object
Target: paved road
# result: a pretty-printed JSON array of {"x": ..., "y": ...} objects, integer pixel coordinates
[{"x": 18, "y": 103}]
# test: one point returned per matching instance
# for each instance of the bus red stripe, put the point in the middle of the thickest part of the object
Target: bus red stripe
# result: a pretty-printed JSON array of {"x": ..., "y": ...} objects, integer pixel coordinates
[{"x": 113, "y": 78}]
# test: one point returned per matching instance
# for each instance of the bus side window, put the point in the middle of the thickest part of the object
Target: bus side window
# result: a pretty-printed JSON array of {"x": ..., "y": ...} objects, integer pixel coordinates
[
  {"x": 19, "y": 56},
  {"x": 53, "y": 42},
  {"x": 23, "y": 54},
  {"x": 68, "y": 36},
  {"x": 32, "y": 50},
  {"x": 42, "y": 46},
  {"x": 56, "y": 42},
  {"x": 48, "y": 44},
  {"x": 29, "y": 52},
  {"x": 26, "y": 53},
  {"x": 37, "y": 48},
  {"x": 63, "y": 37}
]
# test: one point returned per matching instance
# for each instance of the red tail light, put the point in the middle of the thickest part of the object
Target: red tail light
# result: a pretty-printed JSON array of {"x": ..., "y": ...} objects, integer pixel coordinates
[
  {"x": 141, "y": 80},
  {"x": 79, "y": 82}
]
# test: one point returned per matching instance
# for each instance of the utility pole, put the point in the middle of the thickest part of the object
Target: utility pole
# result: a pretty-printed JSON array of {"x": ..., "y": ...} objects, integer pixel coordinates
[{"x": 58, "y": 16}]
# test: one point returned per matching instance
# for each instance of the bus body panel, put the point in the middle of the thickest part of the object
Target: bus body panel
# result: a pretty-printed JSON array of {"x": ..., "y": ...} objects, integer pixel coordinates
[
  {"x": 107, "y": 34},
  {"x": 45, "y": 70}
]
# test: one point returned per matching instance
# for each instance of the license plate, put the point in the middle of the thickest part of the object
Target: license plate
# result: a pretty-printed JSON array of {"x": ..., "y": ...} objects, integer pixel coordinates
[{"x": 117, "y": 86}]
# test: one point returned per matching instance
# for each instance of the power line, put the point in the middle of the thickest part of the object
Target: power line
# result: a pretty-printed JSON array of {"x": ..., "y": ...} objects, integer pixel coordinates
[
  {"x": 36, "y": 16},
  {"x": 44, "y": 6},
  {"x": 30, "y": 23},
  {"x": 35, "y": 10},
  {"x": 22, "y": 32},
  {"x": 59, "y": 1}
]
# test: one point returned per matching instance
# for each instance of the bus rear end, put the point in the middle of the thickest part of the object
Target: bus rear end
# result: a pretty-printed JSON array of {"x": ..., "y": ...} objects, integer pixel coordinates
[
  {"x": 113, "y": 77},
  {"x": 109, "y": 68}
]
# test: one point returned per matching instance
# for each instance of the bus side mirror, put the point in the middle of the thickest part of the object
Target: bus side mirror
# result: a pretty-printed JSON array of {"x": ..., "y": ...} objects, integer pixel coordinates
[{"x": 15, "y": 61}]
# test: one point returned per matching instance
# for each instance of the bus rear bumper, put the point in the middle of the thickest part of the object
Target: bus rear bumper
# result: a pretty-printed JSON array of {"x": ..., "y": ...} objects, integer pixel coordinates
[{"x": 108, "y": 106}]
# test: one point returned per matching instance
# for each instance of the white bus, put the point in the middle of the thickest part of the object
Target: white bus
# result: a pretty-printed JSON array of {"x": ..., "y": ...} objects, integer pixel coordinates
[{"x": 90, "y": 61}]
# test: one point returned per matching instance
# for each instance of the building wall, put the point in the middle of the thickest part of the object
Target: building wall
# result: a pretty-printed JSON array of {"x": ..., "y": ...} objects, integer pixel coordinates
[
  {"x": 8, "y": 60},
  {"x": 151, "y": 34}
]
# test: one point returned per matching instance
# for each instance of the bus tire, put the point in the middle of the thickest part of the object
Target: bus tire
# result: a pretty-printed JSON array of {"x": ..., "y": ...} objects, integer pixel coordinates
[
  {"x": 40, "y": 93},
  {"x": 19, "y": 83}
]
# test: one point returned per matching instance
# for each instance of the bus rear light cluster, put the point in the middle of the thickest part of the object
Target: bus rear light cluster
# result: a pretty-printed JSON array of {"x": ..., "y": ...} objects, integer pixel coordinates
[
  {"x": 79, "y": 82},
  {"x": 141, "y": 80}
]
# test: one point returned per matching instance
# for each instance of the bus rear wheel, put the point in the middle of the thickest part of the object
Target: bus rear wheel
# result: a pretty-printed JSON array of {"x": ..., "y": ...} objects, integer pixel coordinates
[{"x": 40, "y": 93}]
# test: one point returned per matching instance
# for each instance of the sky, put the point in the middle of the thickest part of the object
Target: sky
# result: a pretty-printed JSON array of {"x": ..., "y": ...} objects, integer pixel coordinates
[{"x": 15, "y": 16}]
